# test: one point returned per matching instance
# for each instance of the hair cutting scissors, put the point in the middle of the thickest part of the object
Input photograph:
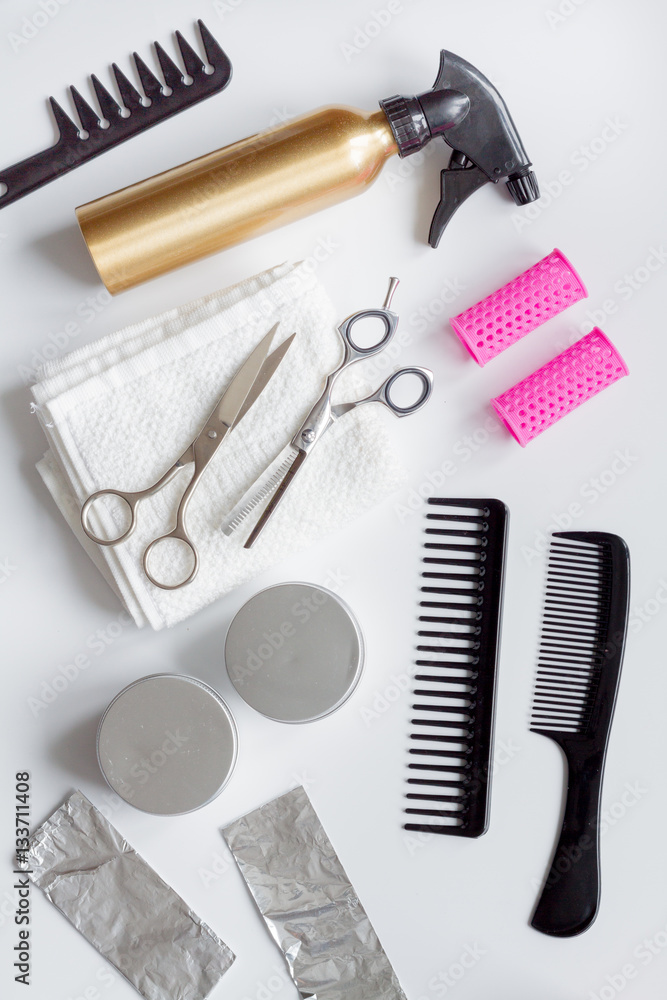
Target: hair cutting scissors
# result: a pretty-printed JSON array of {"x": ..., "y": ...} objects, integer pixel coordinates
[
  {"x": 233, "y": 404},
  {"x": 279, "y": 475}
]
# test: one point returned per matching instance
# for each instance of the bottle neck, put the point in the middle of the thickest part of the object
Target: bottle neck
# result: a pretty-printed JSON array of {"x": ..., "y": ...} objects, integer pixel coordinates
[{"x": 383, "y": 131}]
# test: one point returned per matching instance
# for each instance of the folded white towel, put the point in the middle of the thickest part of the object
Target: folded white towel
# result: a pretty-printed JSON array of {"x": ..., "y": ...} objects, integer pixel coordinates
[{"x": 118, "y": 412}]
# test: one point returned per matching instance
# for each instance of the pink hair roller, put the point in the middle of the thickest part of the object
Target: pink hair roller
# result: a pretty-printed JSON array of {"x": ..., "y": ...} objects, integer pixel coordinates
[
  {"x": 542, "y": 398},
  {"x": 543, "y": 291}
]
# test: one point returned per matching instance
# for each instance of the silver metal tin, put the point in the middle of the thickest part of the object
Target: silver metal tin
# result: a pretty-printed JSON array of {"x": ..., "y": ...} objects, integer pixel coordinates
[
  {"x": 167, "y": 744},
  {"x": 294, "y": 652}
]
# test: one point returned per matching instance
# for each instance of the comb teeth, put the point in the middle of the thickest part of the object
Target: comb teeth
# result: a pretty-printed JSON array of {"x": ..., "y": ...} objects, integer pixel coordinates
[
  {"x": 150, "y": 83},
  {"x": 106, "y": 102},
  {"x": 191, "y": 60},
  {"x": 129, "y": 94},
  {"x": 66, "y": 127},
  {"x": 97, "y": 133},
  {"x": 170, "y": 71},
  {"x": 214, "y": 52},
  {"x": 575, "y": 625},
  {"x": 454, "y": 690},
  {"x": 153, "y": 89},
  {"x": 88, "y": 118}
]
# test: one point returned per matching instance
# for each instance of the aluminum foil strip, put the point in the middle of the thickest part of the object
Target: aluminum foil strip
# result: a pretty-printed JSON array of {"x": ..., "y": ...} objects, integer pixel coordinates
[
  {"x": 133, "y": 918},
  {"x": 309, "y": 903}
]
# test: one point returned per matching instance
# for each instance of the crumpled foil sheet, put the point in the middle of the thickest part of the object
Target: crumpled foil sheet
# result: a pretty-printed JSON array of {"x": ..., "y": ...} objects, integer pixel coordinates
[
  {"x": 309, "y": 903},
  {"x": 133, "y": 918}
]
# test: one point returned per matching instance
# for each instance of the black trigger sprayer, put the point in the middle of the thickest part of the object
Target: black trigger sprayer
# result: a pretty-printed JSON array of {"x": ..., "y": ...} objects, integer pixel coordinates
[
  {"x": 304, "y": 165},
  {"x": 468, "y": 112}
]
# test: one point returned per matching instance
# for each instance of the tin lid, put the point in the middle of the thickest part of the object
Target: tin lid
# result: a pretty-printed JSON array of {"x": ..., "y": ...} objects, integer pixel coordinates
[
  {"x": 294, "y": 652},
  {"x": 167, "y": 744}
]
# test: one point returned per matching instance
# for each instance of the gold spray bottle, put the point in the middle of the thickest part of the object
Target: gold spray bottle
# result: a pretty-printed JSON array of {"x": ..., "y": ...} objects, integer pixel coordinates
[{"x": 324, "y": 157}]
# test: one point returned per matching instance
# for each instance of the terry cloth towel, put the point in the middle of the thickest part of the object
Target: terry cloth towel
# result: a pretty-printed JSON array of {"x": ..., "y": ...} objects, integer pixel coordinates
[{"x": 117, "y": 413}]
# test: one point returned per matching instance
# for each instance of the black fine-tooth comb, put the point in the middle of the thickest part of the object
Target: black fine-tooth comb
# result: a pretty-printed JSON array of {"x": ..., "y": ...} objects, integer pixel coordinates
[
  {"x": 116, "y": 124},
  {"x": 455, "y": 683},
  {"x": 579, "y": 667}
]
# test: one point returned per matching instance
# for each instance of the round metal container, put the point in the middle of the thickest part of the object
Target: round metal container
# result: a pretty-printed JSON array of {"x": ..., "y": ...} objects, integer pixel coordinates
[
  {"x": 167, "y": 744},
  {"x": 294, "y": 652}
]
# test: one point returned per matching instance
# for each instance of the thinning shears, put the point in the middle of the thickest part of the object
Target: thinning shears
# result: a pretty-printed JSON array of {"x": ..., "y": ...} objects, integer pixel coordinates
[
  {"x": 279, "y": 475},
  {"x": 248, "y": 383}
]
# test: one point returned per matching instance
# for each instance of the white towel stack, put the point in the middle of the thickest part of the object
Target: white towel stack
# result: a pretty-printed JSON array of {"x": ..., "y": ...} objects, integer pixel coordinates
[{"x": 118, "y": 412}]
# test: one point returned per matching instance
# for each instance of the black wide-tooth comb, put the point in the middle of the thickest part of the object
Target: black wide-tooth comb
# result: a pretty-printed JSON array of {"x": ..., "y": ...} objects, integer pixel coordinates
[
  {"x": 579, "y": 667},
  {"x": 77, "y": 145},
  {"x": 455, "y": 684}
]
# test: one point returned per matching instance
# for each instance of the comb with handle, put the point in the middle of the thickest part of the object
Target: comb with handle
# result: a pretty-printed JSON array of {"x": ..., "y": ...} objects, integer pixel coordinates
[
  {"x": 77, "y": 145},
  {"x": 579, "y": 666}
]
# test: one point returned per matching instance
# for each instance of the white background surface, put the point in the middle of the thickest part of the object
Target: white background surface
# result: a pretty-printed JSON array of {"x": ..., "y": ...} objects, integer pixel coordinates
[{"x": 562, "y": 79}]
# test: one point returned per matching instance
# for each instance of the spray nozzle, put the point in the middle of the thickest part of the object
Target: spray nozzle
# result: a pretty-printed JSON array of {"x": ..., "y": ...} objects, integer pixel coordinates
[{"x": 471, "y": 116}]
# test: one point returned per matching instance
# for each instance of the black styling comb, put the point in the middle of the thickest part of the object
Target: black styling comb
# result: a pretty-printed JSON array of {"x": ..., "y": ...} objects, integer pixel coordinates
[
  {"x": 579, "y": 667},
  {"x": 455, "y": 683},
  {"x": 76, "y": 145}
]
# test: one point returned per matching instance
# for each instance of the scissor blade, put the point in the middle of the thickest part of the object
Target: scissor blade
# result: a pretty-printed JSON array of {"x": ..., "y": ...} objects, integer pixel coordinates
[
  {"x": 266, "y": 373},
  {"x": 261, "y": 489},
  {"x": 235, "y": 395},
  {"x": 298, "y": 461}
]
